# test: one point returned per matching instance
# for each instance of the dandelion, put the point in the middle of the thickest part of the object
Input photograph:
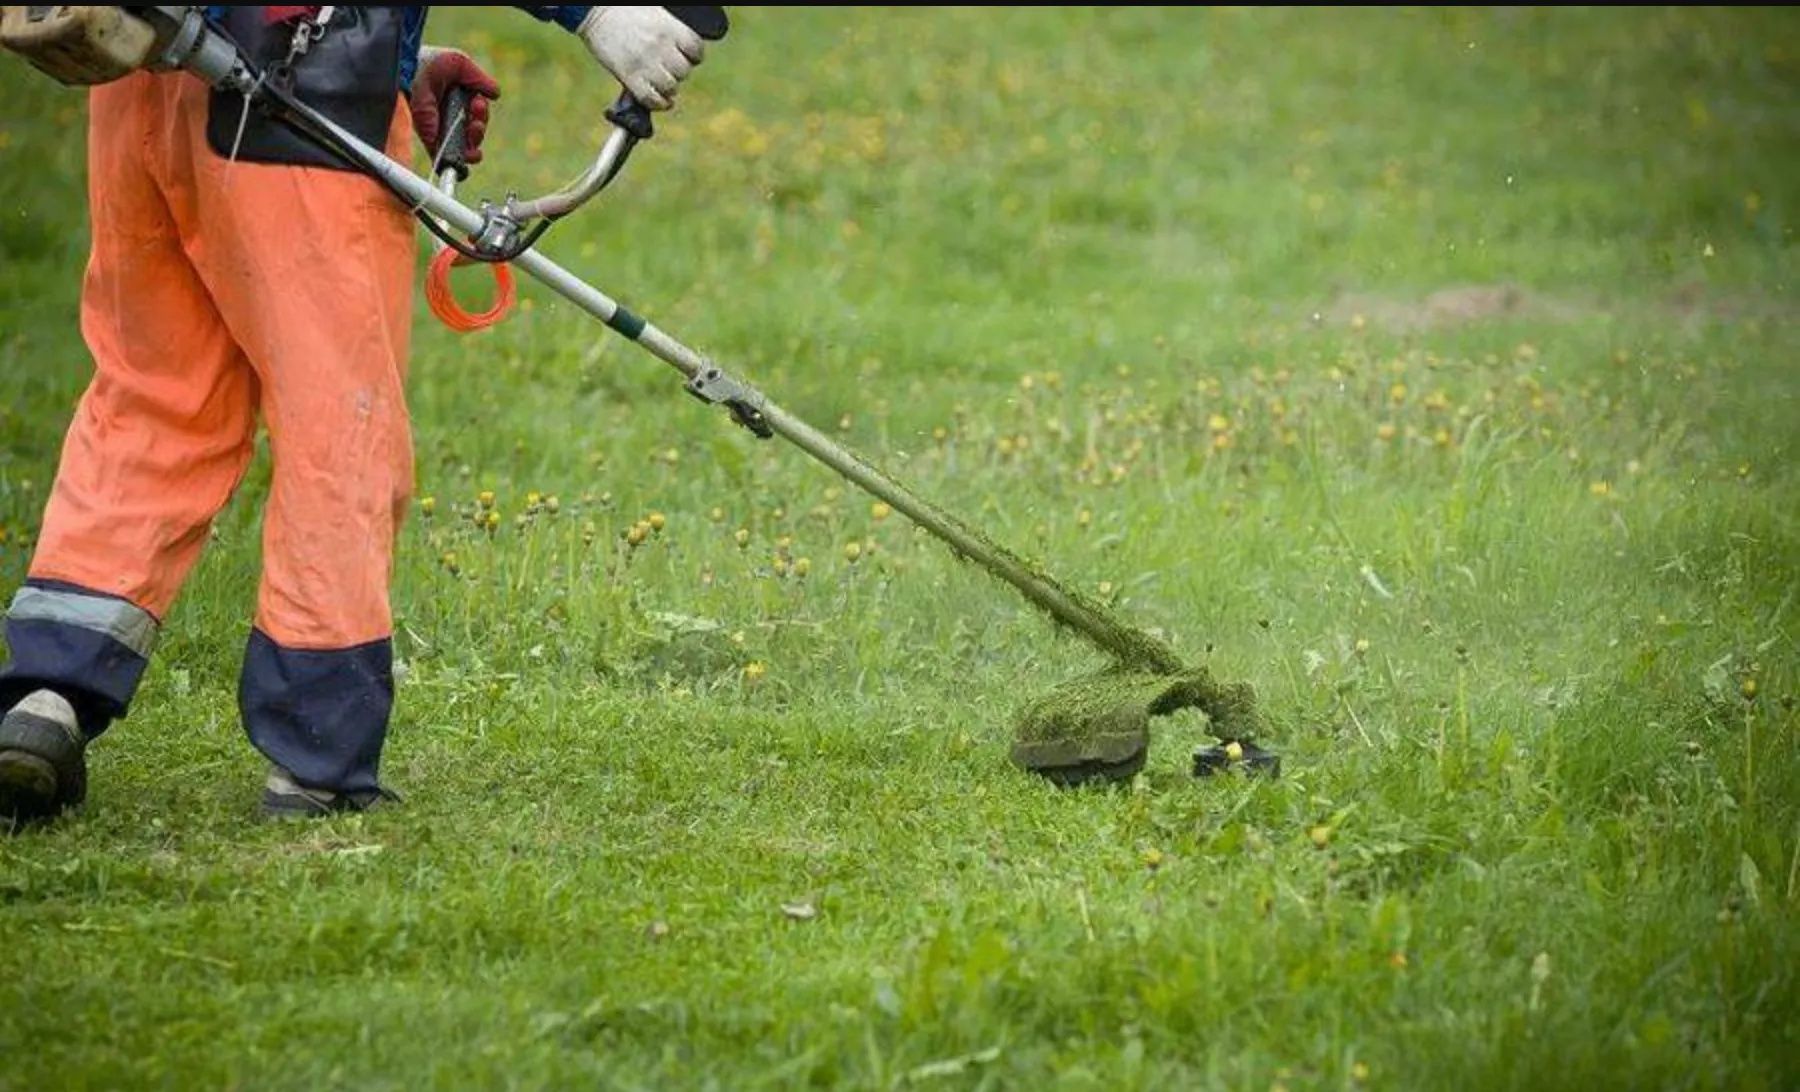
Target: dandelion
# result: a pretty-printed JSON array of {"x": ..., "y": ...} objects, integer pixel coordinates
[
  {"x": 552, "y": 505},
  {"x": 742, "y": 537},
  {"x": 657, "y": 522},
  {"x": 636, "y": 535},
  {"x": 802, "y": 566},
  {"x": 533, "y": 500},
  {"x": 1234, "y": 751},
  {"x": 779, "y": 565},
  {"x": 1084, "y": 518},
  {"x": 880, "y": 511},
  {"x": 754, "y": 671},
  {"x": 449, "y": 562},
  {"x": 428, "y": 507},
  {"x": 1600, "y": 488},
  {"x": 853, "y": 552},
  {"x": 1386, "y": 432},
  {"x": 1320, "y": 834},
  {"x": 486, "y": 499},
  {"x": 1218, "y": 422},
  {"x": 717, "y": 515},
  {"x": 493, "y": 522},
  {"x": 1362, "y": 646},
  {"x": 1748, "y": 689},
  {"x": 1152, "y": 858},
  {"x": 1359, "y": 1072},
  {"x": 1441, "y": 437}
]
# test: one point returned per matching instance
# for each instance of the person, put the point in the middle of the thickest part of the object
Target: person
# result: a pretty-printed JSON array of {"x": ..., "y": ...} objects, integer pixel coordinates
[{"x": 230, "y": 282}]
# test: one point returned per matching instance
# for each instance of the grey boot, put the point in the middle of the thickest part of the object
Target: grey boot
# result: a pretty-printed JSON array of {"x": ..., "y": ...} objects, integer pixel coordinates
[
  {"x": 285, "y": 798},
  {"x": 43, "y": 764}
]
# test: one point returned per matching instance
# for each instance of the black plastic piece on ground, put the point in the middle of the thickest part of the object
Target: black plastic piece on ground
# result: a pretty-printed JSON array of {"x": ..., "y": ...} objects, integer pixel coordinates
[{"x": 1253, "y": 761}]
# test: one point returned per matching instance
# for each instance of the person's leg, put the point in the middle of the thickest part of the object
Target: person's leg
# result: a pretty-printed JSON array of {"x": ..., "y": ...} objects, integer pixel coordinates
[
  {"x": 312, "y": 270},
  {"x": 157, "y": 444}
]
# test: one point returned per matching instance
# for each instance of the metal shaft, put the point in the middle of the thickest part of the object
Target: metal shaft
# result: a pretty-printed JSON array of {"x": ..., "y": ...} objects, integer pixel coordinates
[{"x": 1129, "y": 644}]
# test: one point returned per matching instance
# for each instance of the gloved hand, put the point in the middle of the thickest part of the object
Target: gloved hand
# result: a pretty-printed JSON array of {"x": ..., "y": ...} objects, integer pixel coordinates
[
  {"x": 440, "y": 72},
  {"x": 646, "y": 49}
]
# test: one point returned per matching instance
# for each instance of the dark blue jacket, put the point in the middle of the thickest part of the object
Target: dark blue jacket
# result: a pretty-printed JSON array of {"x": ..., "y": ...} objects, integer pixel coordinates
[{"x": 412, "y": 36}]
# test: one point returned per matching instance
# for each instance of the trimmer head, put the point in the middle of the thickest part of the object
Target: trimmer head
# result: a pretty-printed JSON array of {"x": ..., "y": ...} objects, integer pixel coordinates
[{"x": 1097, "y": 728}]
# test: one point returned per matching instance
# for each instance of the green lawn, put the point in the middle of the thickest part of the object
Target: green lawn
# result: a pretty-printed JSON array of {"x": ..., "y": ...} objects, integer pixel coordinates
[{"x": 1433, "y": 370}]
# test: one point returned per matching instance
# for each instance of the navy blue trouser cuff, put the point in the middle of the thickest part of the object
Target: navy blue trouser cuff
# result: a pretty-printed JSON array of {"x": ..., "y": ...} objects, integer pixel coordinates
[{"x": 320, "y": 715}]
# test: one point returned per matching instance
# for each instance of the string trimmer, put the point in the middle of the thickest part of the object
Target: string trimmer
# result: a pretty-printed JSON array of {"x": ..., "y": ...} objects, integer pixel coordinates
[{"x": 1096, "y": 727}]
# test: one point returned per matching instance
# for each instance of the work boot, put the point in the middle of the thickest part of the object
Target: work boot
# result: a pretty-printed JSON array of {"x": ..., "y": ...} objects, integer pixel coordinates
[
  {"x": 43, "y": 764},
  {"x": 285, "y": 798}
]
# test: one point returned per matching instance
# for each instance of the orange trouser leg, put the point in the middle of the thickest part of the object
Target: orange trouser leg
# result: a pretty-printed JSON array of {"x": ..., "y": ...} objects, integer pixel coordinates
[
  {"x": 311, "y": 269},
  {"x": 157, "y": 444}
]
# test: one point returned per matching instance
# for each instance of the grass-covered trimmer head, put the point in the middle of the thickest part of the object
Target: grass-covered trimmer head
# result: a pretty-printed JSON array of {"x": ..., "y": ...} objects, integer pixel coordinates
[{"x": 1097, "y": 728}]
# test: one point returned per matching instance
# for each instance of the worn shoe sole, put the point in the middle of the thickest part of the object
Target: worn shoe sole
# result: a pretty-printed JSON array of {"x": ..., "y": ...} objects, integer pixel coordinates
[{"x": 27, "y": 786}]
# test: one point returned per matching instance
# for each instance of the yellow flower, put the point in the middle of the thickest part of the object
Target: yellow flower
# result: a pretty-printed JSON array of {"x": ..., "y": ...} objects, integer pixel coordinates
[
  {"x": 428, "y": 507},
  {"x": 880, "y": 511},
  {"x": 1234, "y": 751},
  {"x": 637, "y": 535},
  {"x": 853, "y": 552},
  {"x": 1387, "y": 431},
  {"x": 742, "y": 537},
  {"x": 1600, "y": 488},
  {"x": 658, "y": 521},
  {"x": 1218, "y": 422},
  {"x": 486, "y": 499},
  {"x": 1320, "y": 835},
  {"x": 754, "y": 670},
  {"x": 802, "y": 566}
]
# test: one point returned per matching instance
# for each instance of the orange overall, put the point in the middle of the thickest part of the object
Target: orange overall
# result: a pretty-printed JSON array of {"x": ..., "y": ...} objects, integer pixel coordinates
[{"x": 220, "y": 293}]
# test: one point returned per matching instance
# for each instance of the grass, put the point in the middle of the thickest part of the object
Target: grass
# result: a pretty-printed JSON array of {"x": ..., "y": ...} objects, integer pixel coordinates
[{"x": 1432, "y": 370}]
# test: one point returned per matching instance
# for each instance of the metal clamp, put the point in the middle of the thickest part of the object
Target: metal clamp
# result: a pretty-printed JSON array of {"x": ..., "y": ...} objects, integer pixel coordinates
[{"x": 715, "y": 386}]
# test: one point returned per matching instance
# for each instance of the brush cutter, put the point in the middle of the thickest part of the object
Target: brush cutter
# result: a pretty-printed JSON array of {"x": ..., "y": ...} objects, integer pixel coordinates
[{"x": 1094, "y": 728}]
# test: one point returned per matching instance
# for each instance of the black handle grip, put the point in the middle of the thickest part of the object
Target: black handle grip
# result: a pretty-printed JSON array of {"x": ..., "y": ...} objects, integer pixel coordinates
[
  {"x": 453, "y": 140},
  {"x": 709, "y": 23},
  {"x": 633, "y": 116}
]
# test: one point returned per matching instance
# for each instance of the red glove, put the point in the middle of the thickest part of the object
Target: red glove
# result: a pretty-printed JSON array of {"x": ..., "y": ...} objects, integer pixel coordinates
[{"x": 441, "y": 71}]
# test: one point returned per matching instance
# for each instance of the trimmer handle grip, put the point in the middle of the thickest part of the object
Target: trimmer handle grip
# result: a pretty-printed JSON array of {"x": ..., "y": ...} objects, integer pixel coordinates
[
  {"x": 453, "y": 141},
  {"x": 633, "y": 116}
]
